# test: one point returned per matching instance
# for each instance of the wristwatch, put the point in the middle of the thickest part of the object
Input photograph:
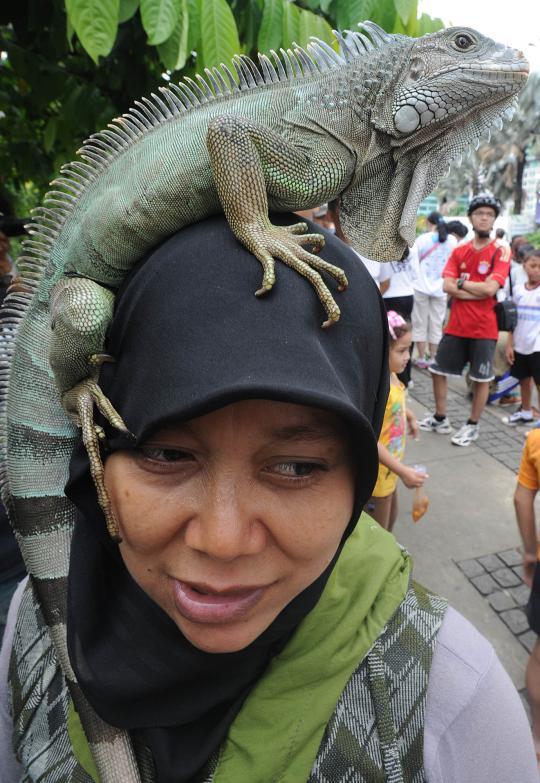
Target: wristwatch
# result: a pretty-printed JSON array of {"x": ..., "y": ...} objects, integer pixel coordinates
[{"x": 460, "y": 283}]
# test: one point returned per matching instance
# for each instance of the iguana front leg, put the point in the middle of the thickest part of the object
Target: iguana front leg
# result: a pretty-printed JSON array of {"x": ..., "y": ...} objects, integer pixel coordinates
[
  {"x": 250, "y": 163},
  {"x": 81, "y": 310}
]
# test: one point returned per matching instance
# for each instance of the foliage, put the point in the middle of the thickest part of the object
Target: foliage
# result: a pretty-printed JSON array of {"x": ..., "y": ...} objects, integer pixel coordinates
[
  {"x": 534, "y": 238},
  {"x": 69, "y": 66},
  {"x": 497, "y": 166}
]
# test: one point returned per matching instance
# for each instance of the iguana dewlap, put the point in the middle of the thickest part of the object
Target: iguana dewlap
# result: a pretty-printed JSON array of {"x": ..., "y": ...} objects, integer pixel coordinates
[{"x": 374, "y": 125}]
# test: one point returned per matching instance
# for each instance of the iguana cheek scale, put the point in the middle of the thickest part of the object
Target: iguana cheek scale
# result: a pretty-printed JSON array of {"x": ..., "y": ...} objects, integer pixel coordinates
[{"x": 374, "y": 125}]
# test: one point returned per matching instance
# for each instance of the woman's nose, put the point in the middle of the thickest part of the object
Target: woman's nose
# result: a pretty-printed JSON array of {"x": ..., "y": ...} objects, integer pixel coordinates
[{"x": 226, "y": 525}]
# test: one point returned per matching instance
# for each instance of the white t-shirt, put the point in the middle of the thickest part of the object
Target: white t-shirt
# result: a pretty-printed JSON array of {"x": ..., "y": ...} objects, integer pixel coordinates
[
  {"x": 401, "y": 275},
  {"x": 527, "y": 332},
  {"x": 430, "y": 260},
  {"x": 519, "y": 277},
  {"x": 373, "y": 267}
]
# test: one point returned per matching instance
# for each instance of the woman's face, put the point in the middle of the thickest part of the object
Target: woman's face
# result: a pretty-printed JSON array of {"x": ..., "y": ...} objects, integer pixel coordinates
[{"x": 227, "y": 517}]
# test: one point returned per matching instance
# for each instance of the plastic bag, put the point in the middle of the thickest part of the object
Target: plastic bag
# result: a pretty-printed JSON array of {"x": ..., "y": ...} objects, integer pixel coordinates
[{"x": 420, "y": 498}]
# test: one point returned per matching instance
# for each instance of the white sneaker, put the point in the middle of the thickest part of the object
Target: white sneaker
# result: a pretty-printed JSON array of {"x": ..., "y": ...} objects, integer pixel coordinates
[
  {"x": 430, "y": 424},
  {"x": 518, "y": 418},
  {"x": 466, "y": 434}
]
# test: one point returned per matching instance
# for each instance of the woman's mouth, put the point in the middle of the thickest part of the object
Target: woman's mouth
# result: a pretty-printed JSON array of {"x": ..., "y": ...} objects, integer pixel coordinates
[{"x": 202, "y": 603}]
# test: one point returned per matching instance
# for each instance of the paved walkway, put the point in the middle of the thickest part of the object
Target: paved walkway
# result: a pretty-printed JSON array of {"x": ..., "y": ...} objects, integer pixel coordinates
[{"x": 465, "y": 547}]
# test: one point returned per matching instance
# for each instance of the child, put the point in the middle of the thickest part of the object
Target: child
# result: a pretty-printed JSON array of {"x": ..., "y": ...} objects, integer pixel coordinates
[
  {"x": 523, "y": 345},
  {"x": 383, "y": 504}
]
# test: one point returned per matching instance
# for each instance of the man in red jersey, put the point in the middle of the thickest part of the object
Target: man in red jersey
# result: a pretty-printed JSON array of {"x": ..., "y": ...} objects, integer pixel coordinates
[{"x": 472, "y": 276}]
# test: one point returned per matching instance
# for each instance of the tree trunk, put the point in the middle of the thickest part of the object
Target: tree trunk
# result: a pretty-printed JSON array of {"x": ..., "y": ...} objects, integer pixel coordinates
[{"x": 518, "y": 189}]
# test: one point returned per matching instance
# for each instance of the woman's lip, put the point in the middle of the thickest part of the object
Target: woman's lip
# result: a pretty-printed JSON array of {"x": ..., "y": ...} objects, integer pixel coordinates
[{"x": 202, "y": 603}]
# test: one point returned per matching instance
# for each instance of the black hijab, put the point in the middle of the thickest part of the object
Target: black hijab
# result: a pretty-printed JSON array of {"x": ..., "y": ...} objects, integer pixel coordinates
[{"x": 189, "y": 337}]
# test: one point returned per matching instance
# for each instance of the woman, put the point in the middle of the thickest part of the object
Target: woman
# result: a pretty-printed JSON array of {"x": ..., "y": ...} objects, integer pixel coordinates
[
  {"x": 432, "y": 252},
  {"x": 247, "y": 628}
]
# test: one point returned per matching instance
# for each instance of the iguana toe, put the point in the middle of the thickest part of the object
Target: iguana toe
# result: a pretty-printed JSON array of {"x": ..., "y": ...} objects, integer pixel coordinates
[
  {"x": 297, "y": 228},
  {"x": 287, "y": 243},
  {"x": 79, "y": 403}
]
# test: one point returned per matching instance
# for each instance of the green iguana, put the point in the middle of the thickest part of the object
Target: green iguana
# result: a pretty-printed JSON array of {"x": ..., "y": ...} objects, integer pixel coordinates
[{"x": 374, "y": 125}]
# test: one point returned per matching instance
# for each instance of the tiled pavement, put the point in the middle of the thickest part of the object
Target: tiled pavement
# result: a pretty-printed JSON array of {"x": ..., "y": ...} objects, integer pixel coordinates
[
  {"x": 498, "y": 579},
  {"x": 496, "y": 576},
  {"x": 503, "y": 443}
]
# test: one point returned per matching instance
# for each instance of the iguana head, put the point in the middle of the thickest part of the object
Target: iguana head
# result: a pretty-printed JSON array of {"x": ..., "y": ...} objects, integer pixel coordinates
[{"x": 433, "y": 96}]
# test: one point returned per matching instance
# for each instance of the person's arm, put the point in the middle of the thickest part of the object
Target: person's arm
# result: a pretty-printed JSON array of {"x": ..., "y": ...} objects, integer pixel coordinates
[
  {"x": 484, "y": 290},
  {"x": 509, "y": 348},
  {"x": 524, "y": 505},
  {"x": 385, "y": 276},
  {"x": 476, "y": 730},
  {"x": 412, "y": 423},
  {"x": 410, "y": 477},
  {"x": 450, "y": 287},
  {"x": 10, "y": 769}
]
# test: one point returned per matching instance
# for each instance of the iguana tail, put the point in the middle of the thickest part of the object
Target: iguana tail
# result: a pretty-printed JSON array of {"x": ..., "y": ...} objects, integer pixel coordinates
[{"x": 36, "y": 441}]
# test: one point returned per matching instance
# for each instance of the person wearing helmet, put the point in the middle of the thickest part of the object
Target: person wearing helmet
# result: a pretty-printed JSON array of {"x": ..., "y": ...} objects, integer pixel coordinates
[{"x": 472, "y": 276}]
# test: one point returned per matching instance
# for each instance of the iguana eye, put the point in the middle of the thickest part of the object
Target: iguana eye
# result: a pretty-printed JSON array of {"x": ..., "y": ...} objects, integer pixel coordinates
[{"x": 463, "y": 41}]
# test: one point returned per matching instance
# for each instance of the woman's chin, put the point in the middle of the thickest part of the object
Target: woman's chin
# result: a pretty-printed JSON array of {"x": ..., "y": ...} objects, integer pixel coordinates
[{"x": 219, "y": 638}]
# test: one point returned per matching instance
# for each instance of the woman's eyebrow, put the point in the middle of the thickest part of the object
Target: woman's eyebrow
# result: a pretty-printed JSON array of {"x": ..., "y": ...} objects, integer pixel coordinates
[{"x": 305, "y": 432}]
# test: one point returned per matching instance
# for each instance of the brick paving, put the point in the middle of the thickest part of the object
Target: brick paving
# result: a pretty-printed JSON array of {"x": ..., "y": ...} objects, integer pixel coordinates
[
  {"x": 497, "y": 576},
  {"x": 503, "y": 588}
]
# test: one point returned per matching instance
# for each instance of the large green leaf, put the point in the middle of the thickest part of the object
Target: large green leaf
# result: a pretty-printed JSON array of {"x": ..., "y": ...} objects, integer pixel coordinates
[
  {"x": 219, "y": 36},
  {"x": 127, "y": 10},
  {"x": 96, "y": 23},
  {"x": 159, "y": 18},
  {"x": 194, "y": 25},
  {"x": 406, "y": 9},
  {"x": 271, "y": 26},
  {"x": 174, "y": 51},
  {"x": 428, "y": 25},
  {"x": 49, "y": 134},
  {"x": 350, "y": 12},
  {"x": 291, "y": 24},
  {"x": 313, "y": 25}
]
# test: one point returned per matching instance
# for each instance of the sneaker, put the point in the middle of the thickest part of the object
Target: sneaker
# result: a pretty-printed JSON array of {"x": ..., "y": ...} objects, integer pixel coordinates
[
  {"x": 517, "y": 418},
  {"x": 509, "y": 399},
  {"x": 421, "y": 364},
  {"x": 466, "y": 434},
  {"x": 430, "y": 424}
]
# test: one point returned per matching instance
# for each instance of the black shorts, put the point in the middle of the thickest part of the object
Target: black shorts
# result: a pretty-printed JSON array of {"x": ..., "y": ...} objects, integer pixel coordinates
[
  {"x": 526, "y": 365},
  {"x": 454, "y": 352},
  {"x": 533, "y": 607}
]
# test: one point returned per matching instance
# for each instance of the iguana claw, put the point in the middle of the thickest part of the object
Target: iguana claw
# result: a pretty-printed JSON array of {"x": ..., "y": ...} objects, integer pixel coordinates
[
  {"x": 286, "y": 243},
  {"x": 79, "y": 403}
]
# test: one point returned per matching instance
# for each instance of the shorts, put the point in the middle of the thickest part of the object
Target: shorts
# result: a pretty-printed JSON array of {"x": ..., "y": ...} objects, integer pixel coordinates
[
  {"x": 454, "y": 352},
  {"x": 533, "y": 607},
  {"x": 526, "y": 365},
  {"x": 427, "y": 318}
]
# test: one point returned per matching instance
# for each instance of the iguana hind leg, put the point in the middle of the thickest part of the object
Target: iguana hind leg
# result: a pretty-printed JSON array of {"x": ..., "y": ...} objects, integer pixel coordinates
[
  {"x": 250, "y": 161},
  {"x": 80, "y": 403},
  {"x": 81, "y": 311}
]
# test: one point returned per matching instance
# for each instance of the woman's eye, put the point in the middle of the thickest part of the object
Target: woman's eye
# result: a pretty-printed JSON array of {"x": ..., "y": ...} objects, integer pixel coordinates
[
  {"x": 296, "y": 469},
  {"x": 165, "y": 455}
]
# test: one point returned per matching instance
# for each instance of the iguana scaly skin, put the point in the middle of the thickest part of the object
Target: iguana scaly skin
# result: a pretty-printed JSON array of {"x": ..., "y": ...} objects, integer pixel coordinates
[{"x": 375, "y": 126}]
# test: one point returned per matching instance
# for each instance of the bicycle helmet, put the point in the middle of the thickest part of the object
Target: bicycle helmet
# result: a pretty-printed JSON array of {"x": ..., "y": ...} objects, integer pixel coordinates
[{"x": 484, "y": 200}]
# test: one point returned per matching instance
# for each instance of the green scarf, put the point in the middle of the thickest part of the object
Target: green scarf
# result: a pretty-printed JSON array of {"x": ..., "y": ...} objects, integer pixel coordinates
[{"x": 277, "y": 733}]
